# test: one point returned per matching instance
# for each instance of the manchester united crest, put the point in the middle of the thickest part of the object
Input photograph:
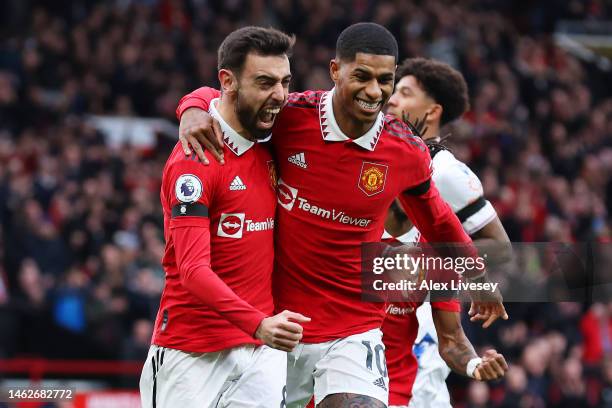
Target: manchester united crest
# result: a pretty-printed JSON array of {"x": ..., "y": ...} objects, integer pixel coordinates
[
  {"x": 273, "y": 175},
  {"x": 372, "y": 178}
]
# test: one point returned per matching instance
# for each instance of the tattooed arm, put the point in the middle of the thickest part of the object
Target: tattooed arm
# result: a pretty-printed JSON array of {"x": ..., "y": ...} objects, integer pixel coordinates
[{"x": 456, "y": 350}]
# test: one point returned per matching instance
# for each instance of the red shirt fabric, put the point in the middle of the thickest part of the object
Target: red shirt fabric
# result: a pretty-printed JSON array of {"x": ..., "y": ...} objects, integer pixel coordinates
[
  {"x": 333, "y": 195},
  {"x": 218, "y": 265}
]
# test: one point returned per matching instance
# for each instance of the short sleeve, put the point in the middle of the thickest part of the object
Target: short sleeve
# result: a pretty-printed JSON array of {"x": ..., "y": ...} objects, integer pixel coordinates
[{"x": 463, "y": 191}]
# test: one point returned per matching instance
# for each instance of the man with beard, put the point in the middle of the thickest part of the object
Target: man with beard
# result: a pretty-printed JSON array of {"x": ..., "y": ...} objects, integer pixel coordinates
[
  {"x": 341, "y": 165},
  {"x": 214, "y": 344}
]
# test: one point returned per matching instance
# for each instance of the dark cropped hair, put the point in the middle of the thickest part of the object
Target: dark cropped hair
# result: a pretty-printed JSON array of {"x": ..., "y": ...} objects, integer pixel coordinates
[
  {"x": 441, "y": 82},
  {"x": 258, "y": 40},
  {"x": 368, "y": 38}
]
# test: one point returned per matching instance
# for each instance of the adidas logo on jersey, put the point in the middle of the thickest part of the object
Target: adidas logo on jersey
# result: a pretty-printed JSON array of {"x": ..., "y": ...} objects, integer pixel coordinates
[
  {"x": 380, "y": 383},
  {"x": 237, "y": 184},
  {"x": 299, "y": 160}
]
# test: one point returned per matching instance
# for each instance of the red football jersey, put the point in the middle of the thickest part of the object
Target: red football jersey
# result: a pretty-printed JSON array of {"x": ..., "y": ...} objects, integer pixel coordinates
[
  {"x": 218, "y": 225},
  {"x": 334, "y": 193}
]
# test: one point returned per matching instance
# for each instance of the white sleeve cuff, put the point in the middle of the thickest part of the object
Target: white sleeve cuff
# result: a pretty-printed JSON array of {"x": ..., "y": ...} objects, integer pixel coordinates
[{"x": 477, "y": 221}]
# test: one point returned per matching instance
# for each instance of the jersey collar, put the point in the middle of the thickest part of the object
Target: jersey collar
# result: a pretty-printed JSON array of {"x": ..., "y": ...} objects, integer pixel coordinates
[
  {"x": 331, "y": 131},
  {"x": 232, "y": 139},
  {"x": 386, "y": 235}
]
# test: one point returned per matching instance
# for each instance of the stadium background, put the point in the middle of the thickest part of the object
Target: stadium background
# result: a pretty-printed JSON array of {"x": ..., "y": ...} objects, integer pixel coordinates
[{"x": 87, "y": 97}]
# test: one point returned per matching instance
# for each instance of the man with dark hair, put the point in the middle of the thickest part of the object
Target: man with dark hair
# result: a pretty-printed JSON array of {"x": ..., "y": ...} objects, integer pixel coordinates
[
  {"x": 366, "y": 38},
  {"x": 341, "y": 165},
  {"x": 429, "y": 90},
  {"x": 434, "y": 94},
  {"x": 235, "y": 48},
  {"x": 214, "y": 344}
]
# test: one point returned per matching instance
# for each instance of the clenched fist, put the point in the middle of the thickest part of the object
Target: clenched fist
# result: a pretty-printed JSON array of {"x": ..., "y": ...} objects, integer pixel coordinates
[
  {"x": 492, "y": 367},
  {"x": 282, "y": 331}
]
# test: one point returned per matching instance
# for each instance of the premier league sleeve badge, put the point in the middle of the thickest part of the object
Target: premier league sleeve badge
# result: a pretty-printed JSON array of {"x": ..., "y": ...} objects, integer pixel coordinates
[{"x": 188, "y": 188}]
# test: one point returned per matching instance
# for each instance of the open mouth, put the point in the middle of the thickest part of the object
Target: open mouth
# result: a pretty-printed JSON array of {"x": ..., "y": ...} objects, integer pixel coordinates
[
  {"x": 267, "y": 115},
  {"x": 369, "y": 107}
]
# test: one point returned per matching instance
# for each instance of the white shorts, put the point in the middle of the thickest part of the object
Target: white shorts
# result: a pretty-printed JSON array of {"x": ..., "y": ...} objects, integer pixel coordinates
[
  {"x": 244, "y": 376},
  {"x": 354, "y": 364}
]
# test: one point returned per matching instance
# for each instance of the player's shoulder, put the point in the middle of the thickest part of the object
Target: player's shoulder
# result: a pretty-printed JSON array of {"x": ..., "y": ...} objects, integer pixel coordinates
[
  {"x": 443, "y": 158},
  {"x": 456, "y": 181},
  {"x": 305, "y": 99},
  {"x": 179, "y": 163},
  {"x": 446, "y": 165},
  {"x": 397, "y": 132}
]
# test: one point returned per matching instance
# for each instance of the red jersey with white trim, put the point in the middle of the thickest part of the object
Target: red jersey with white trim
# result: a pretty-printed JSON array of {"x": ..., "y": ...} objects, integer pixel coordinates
[
  {"x": 218, "y": 226},
  {"x": 334, "y": 193}
]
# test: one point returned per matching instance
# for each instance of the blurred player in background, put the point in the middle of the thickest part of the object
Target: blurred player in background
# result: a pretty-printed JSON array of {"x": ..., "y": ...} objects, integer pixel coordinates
[
  {"x": 218, "y": 220},
  {"x": 434, "y": 94},
  {"x": 341, "y": 164}
]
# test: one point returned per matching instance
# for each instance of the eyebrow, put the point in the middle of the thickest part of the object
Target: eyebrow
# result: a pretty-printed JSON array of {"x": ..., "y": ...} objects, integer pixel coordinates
[
  {"x": 362, "y": 71},
  {"x": 386, "y": 75},
  {"x": 265, "y": 77}
]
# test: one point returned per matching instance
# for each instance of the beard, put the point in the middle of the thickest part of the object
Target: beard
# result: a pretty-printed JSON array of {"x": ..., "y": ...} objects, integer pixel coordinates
[{"x": 247, "y": 115}]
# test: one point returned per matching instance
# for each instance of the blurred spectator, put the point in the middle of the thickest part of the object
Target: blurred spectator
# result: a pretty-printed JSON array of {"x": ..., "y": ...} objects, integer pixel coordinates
[
  {"x": 516, "y": 394},
  {"x": 536, "y": 358},
  {"x": 596, "y": 329},
  {"x": 69, "y": 302},
  {"x": 570, "y": 390},
  {"x": 136, "y": 347},
  {"x": 478, "y": 395}
]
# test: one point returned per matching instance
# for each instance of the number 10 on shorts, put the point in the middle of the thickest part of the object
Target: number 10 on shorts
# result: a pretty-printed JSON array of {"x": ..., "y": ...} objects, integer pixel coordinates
[{"x": 379, "y": 352}]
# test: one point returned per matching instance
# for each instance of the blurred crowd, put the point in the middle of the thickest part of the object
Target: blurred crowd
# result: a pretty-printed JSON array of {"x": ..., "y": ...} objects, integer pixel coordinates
[{"x": 81, "y": 233}]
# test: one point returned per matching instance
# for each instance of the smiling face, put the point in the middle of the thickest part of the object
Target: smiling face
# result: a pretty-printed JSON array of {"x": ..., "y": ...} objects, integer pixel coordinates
[
  {"x": 363, "y": 86},
  {"x": 261, "y": 90}
]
